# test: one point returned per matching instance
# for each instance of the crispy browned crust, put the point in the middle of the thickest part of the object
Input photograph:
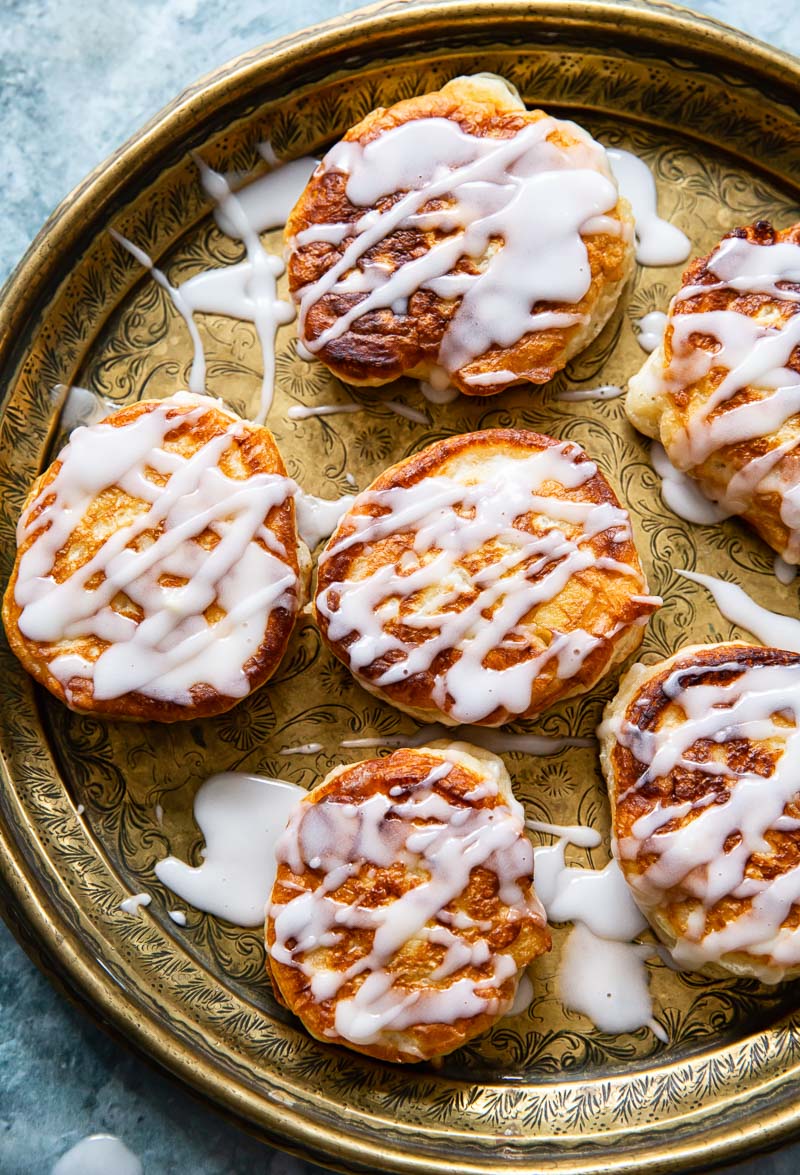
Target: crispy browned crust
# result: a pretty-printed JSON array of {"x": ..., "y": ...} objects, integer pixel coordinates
[
  {"x": 253, "y": 453},
  {"x": 680, "y": 402},
  {"x": 595, "y": 599},
  {"x": 521, "y": 933},
  {"x": 643, "y": 702},
  {"x": 381, "y": 345}
]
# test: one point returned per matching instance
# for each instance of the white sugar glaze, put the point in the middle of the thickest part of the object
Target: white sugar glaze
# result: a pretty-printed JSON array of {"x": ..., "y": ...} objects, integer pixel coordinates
[
  {"x": 499, "y": 741},
  {"x": 135, "y": 902},
  {"x": 306, "y": 412},
  {"x": 785, "y": 573},
  {"x": 604, "y": 392},
  {"x": 303, "y": 749},
  {"x": 651, "y": 329},
  {"x": 81, "y": 406},
  {"x": 247, "y": 290},
  {"x": 174, "y": 647},
  {"x": 751, "y": 354},
  {"x": 601, "y": 972},
  {"x": 451, "y": 518},
  {"x": 683, "y": 495},
  {"x": 525, "y": 191},
  {"x": 606, "y": 980},
  {"x": 771, "y": 628},
  {"x": 317, "y": 518},
  {"x": 658, "y": 241},
  {"x": 437, "y": 388},
  {"x": 178, "y": 917},
  {"x": 429, "y": 833},
  {"x": 523, "y": 998},
  {"x": 98, "y": 1154},
  {"x": 267, "y": 201},
  {"x": 241, "y": 818},
  {"x": 708, "y": 856}
]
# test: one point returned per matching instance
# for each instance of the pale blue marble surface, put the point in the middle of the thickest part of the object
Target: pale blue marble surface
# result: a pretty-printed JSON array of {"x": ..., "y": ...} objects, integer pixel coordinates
[{"x": 77, "y": 77}]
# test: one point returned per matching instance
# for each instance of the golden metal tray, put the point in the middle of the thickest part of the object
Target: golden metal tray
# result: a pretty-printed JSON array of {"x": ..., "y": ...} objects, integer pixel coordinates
[{"x": 715, "y": 114}]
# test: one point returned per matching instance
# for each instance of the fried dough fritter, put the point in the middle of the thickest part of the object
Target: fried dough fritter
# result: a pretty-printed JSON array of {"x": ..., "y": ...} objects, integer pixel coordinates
[
  {"x": 486, "y": 577},
  {"x": 699, "y": 753},
  {"x": 406, "y": 337},
  {"x": 403, "y": 910},
  {"x": 158, "y": 571},
  {"x": 737, "y": 435}
]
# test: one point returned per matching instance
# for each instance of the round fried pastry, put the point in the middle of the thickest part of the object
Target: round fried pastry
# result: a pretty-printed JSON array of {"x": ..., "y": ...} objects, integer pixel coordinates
[
  {"x": 722, "y": 394},
  {"x": 494, "y": 273},
  {"x": 700, "y": 754},
  {"x": 158, "y": 570},
  {"x": 486, "y": 577},
  {"x": 403, "y": 910}
]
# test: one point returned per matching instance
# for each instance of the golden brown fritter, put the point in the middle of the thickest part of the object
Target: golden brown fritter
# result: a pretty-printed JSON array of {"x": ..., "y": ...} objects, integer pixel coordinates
[
  {"x": 550, "y": 587},
  {"x": 382, "y": 345},
  {"x": 401, "y": 833},
  {"x": 192, "y": 423},
  {"x": 683, "y": 874},
  {"x": 671, "y": 394}
]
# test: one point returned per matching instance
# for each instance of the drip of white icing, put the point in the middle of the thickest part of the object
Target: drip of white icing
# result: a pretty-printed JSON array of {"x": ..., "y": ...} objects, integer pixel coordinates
[
  {"x": 303, "y": 412},
  {"x": 450, "y": 520},
  {"x": 241, "y": 818},
  {"x": 81, "y": 406},
  {"x": 600, "y": 898},
  {"x": 248, "y": 290},
  {"x": 579, "y": 835},
  {"x": 604, "y": 392},
  {"x": 437, "y": 388},
  {"x": 606, "y": 980},
  {"x": 267, "y": 201},
  {"x": 658, "y": 241},
  {"x": 258, "y": 295},
  {"x": 771, "y": 628},
  {"x": 159, "y": 813},
  {"x": 651, "y": 330},
  {"x": 317, "y": 518},
  {"x": 785, "y": 573},
  {"x": 601, "y": 972},
  {"x": 684, "y": 496},
  {"x": 80, "y": 809},
  {"x": 498, "y": 741},
  {"x": 443, "y": 840},
  {"x": 523, "y": 998},
  {"x": 751, "y": 353},
  {"x": 708, "y": 856},
  {"x": 99, "y": 1154},
  {"x": 351, "y": 481},
  {"x": 197, "y": 372},
  {"x": 178, "y": 917},
  {"x": 173, "y": 648},
  {"x": 303, "y": 749},
  {"x": 401, "y": 409},
  {"x": 524, "y": 191},
  {"x": 133, "y": 904}
]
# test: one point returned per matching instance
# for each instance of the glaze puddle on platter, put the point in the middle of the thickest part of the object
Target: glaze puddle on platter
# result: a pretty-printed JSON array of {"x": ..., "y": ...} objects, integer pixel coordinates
[
  {"x": 241, "y": 818},
  {"x": 602, "y": 972}
]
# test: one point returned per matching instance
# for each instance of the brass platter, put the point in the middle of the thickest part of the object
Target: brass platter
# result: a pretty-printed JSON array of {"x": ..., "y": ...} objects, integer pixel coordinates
[{"x": 715, "y": 115}]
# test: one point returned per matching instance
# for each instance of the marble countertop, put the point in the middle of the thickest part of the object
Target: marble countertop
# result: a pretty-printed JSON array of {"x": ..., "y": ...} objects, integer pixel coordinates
[{"x": 77, "y": 77}]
